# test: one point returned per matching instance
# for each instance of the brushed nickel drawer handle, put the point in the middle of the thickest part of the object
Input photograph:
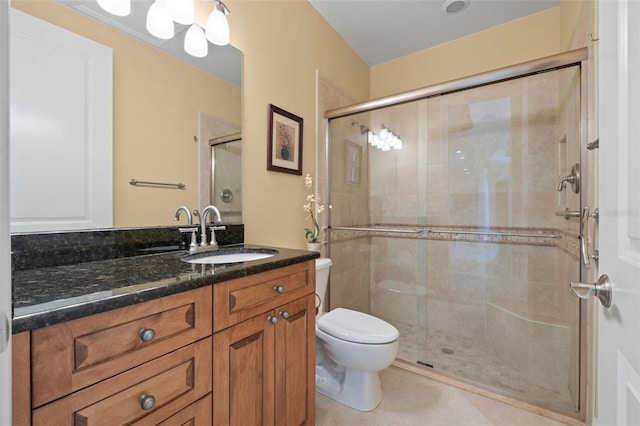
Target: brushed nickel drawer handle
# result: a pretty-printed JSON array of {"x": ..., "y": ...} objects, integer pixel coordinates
[
  {"x": 147, "y": 401},
  {"x": 284, "y": 314},
  {"x": 278, "y": 289},
  {"x": 272, "y": 320},
  {"x": 147, "y": 334}
]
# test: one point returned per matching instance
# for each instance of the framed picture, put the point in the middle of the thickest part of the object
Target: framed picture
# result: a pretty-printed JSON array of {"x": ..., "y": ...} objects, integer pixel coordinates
[{"x": 284, "y": 147}]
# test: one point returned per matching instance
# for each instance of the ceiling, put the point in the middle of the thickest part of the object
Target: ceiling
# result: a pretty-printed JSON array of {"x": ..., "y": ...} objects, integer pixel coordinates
[
  {"x": 378, "y": 30},
  {"x": 383, "y": 30}
]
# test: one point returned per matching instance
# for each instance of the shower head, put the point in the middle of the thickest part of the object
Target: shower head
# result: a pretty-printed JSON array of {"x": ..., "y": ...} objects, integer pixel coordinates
[{"x": 363, "y": 129}]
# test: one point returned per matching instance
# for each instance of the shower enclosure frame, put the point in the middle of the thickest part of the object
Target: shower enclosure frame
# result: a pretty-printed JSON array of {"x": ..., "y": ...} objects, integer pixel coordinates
[{"x": 577, "y": 57}]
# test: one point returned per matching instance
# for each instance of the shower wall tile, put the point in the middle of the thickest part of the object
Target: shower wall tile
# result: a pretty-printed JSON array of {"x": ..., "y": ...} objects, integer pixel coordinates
[
  {"x": 548, "y": 366},
  {"x": 467, "y": 289},
  {"x": 349, "y": 278},
  {"x": 542, "y": 264},
  {"x": 437, "y": 209}
]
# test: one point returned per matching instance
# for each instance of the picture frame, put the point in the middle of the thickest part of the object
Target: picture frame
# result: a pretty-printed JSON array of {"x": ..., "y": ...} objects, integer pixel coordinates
[{"x": 284, "y": 141}]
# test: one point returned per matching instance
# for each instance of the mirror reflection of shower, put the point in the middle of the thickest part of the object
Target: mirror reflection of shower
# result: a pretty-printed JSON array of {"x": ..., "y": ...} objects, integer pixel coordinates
[{"x": 226, "y": 176}]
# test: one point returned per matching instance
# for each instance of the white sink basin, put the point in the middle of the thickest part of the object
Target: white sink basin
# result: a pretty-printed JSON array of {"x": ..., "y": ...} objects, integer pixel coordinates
[{"x": 215, "y": 258}]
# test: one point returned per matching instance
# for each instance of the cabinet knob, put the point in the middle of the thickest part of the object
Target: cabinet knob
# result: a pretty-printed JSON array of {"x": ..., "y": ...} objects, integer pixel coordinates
[
  {"x": 272, "y": 320},
  {"x": 146, "y": 334},
  {"x": 284, "y": 314},
  {"x": 278, "y": 289},
  {"x": 147, "y": 401}
]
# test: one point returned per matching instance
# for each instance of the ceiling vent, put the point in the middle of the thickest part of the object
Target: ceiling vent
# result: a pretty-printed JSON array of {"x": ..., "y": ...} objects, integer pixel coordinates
[{"x": 454, "y": 6}]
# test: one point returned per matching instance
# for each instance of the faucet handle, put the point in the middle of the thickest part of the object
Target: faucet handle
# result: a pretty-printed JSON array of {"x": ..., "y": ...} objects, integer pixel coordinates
[{"x": 192, "y": 242}]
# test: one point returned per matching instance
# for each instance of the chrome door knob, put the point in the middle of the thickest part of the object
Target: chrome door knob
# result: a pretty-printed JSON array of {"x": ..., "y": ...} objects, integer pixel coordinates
[
  {"x": 272, "y": 320},
  {"x": 284, "y": 314},
  {"x": 278, "y": 289},
  {"x": 600, "y": 289}
]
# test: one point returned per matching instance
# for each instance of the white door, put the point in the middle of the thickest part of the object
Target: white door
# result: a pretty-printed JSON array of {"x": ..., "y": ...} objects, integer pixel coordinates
[
  {"x": 619, "y": 235},
  {"x": 5, "y": 248}
]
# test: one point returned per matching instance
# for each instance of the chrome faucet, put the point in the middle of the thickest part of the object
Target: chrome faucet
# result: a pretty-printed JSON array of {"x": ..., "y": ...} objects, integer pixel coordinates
[
  {"x": 187, "y": 211},
  {"x": 203, "y": 227}
]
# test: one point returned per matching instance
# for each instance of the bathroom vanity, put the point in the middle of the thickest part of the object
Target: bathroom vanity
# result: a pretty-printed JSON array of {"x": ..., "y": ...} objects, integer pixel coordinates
[{"x": 209, "y": 344}]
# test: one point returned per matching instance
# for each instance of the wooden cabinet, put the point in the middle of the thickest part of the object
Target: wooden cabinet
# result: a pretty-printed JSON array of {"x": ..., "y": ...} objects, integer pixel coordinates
[
  {"x": 75, "y": 354},
  {"x": 142, "y": 363},
  {"x": 149, "y": 393},
  {"x": 264, "y": 366},
  {"x": 241, "y": 352}
]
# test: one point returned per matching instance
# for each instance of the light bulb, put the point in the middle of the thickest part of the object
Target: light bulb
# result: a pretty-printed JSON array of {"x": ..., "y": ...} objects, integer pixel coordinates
[
  {"x": 181, "y": 11},
  {"x": 159, "y": 23},
  {"x": 375, "y": 140},
  {"x": 217, "y": 28},
  {"x": 116, "y": 7},
  {"x": 384, "y": 133},
  {"x": 370, "y": 137},
  {"x": 195, "y": 43}
]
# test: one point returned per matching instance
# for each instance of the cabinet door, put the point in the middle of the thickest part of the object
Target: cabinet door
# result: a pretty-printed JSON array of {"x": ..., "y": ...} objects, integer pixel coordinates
[
  {"x": 295, "y": 362},
  {"x": 243, "y": 357}
]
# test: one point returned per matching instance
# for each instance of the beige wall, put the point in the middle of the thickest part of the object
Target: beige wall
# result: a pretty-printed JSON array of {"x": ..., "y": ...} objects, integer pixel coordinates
[
  {"x": 156, "y": 101},
  {"x": 281, "y": 56},
  {"x": 517, "y": 41}
]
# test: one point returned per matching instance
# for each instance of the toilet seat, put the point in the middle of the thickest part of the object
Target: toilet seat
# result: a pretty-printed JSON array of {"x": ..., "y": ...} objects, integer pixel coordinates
[{"x": 357, "y": 327}]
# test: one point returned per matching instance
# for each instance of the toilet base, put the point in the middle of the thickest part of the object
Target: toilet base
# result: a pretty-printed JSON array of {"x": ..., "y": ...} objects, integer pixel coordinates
[{"x": 357, "y": 389}]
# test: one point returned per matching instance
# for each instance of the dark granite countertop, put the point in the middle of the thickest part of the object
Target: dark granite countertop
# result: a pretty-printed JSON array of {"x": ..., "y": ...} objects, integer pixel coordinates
[{"x": 49, "y": 295}]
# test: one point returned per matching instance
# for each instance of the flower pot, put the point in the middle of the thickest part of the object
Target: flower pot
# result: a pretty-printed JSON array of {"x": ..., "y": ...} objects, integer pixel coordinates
[{"x": 314, "y": 247}]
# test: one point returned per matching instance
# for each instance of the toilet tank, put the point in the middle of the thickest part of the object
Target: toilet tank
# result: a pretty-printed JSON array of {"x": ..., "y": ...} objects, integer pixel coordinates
[{"x": 323, "y": 266}]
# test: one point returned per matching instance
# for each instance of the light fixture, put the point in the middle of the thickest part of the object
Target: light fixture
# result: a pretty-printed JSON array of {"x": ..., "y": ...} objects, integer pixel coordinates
[
  {"x": 217, "y": 27},
  {"x": 159, "y": 23},
  {"x": 181, "y": 11},
  {"x": 386, "y": 140},
  {"x": 195, "y": 42},
  {"x": 116, "y": 7},
  {"x": 163, "y": 13}
]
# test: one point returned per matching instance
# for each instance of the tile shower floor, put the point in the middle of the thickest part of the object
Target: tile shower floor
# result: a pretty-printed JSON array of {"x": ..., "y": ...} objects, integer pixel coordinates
[
  {"x": 411, "y": 399},
  {"x": 471, "y": 362}
]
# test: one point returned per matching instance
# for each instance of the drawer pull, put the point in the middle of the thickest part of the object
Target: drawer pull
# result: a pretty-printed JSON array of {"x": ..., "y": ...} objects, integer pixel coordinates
[
  {"x": 147, "y": 334},
  {"x": 284, "y": 314},
  {"x": 278, "y": 289},
  {"x": 147, "y": 401},
  {"x": 272, "y": 320}
]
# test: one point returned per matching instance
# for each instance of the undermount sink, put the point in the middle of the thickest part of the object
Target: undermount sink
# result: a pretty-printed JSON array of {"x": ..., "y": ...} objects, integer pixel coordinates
[{"x": 229, "y": 256}]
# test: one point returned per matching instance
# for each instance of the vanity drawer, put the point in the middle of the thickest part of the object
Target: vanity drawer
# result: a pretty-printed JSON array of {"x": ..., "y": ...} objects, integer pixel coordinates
[
  {"x": 78, "y": 353},
  {"x": 168, "y": 384},
  {"x": 237, "y": 300}
]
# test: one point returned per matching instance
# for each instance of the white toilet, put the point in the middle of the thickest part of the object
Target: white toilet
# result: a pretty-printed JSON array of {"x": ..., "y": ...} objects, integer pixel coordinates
[{"x": 351, "y": 349}]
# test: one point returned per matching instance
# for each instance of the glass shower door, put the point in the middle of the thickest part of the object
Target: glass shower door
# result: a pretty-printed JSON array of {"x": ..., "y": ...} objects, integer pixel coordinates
[{"x": 497, "y": 310}]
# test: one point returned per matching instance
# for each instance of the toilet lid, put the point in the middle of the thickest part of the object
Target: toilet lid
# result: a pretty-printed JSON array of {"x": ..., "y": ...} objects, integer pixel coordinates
[{"x": 357, "y": 327}]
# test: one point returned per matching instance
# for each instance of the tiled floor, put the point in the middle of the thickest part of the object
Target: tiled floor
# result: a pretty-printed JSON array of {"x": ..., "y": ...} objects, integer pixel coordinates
[
  {"x": 411, "y": 399},
  {"x": 476, "y": 361}
]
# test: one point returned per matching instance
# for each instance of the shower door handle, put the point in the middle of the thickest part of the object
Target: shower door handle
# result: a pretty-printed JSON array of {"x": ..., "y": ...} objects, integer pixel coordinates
[
  {"x": 600, "y": 289},
  {"x": 584, "y": 235}
]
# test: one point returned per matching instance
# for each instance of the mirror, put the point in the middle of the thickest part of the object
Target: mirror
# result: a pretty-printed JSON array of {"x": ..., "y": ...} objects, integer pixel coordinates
[{"x": 166, "y": 107}]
